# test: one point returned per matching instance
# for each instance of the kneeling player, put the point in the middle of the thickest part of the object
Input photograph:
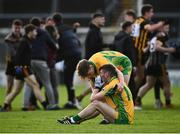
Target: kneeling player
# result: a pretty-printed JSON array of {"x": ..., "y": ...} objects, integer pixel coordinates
[{"x": 115, "y": 105}]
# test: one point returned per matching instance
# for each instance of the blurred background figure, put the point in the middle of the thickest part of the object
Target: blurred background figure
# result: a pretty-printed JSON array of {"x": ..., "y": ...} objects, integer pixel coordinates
[
  {"x": 142, "y": 29},
  {"x": 12, "y": 41},
  {"x": 39, "y": 60},
  {"x": 70, "y": 52},
  {"x": 155, "y": 67},
  {"x": 23, "y": 71},
  {"x": 49, "y": 21},
  {"x": 52, "y": 58},
  {"x": 94, "y": 38},
  {"x": 123, "y": 43},
  {"x": 130, "y": 15}
]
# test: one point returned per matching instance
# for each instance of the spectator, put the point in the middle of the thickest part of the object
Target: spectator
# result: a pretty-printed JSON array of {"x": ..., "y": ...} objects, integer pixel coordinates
[
  {"x": 70, "y": 52},
  {"x": 52, "y": 57},
  {"x": 12, "y": 41},
  {"x": 130, "y": 15},
  {"x": 39, "y": 59},
  {"x": 23, "y": 70},
  {"x": 124, "y": 44},
  {"x": 94, "y": 39}
]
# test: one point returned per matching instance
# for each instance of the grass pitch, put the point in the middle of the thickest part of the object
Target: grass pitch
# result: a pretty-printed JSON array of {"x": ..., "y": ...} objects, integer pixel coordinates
[{"x": 148, "y": 120}]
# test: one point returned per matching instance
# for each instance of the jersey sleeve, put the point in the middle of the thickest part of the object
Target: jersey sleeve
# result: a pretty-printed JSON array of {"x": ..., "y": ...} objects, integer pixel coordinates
[{"x": 145, "y": 23}]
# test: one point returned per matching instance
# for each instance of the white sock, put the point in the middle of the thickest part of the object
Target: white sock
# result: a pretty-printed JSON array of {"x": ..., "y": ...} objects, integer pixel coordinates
[{"x": 72, "y": 120}]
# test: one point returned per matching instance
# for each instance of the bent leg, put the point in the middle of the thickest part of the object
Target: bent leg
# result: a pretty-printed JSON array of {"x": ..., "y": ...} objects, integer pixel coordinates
[
  {"x": 108, "y": 112},
  {"x": 167, "y": 89},
  {"x": 18, "y": 84},
  {"x": 31, "y": 81},
  {"x": 10, "y": 82},
  {"x": 150, "y": 81},
  {"x": 88, "y": 112}
]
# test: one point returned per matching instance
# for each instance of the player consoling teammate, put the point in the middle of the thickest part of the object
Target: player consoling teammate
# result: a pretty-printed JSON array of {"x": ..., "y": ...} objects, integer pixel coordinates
[
  {"x": 116, "y": 105},
  {"x": 108, "y": 72}
]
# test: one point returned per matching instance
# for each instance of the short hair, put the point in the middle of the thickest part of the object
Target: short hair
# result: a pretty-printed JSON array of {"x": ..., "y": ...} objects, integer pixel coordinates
[
  {"x": 167, "y": 22},
  {"x": 17, "y": 22},
  {"x": 57, "y": 18},
  {"x": 83, "y": 67},
  {"x": 109, "y": 68},
  {"x": 28, "y": 28},
  {"x": 97, "y": 14},
  {"x": 126, "y": 24},
  {"x": 49, "y": 18},
  {"x": 146, "y": 8},
  {"x": 131, "y": 12},
  {"x": 35, "y": 21}
]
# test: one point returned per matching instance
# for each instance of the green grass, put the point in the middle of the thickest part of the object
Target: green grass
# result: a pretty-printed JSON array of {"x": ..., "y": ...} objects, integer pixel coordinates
[{"x": 148, "y": 120}]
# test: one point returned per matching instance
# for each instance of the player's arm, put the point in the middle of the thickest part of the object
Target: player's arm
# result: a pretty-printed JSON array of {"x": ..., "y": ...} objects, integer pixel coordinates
[
  {"x": 160, "y": 48},
  {"x": 96, "y": 95},
  {"x": 121, "y": 79},
  {"x": 107, "y": 90},
  {"x": 152, "y": 27},
  {"x": 145, "y": 50}
]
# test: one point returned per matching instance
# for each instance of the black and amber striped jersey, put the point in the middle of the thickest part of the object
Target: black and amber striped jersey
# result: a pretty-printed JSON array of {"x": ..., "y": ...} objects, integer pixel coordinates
[
  {"x": 156, "y": 57},
  {"x": 140, "y": 34}
]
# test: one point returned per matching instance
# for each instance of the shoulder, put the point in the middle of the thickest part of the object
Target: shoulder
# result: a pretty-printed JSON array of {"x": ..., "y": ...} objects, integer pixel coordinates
[
  {"x": 112, "y": 84},
  {"x": 10, "y": 38},
  {"x": 110, "y": 88}
]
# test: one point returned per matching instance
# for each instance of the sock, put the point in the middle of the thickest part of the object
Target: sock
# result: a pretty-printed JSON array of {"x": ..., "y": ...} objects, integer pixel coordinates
[
  {"x": 75, "y": 118},
  {"x": 44, "y": 104},
  {"x": 168, "y": 102}
]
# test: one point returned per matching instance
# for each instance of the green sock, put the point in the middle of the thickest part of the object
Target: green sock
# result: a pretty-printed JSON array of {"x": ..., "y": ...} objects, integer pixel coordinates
[{"x": 76, "y": 118}]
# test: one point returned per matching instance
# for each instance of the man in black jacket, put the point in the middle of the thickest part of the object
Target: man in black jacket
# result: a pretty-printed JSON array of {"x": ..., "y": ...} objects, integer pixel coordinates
[
  {"x": 94, "y": 39},
  {"x": 123, "y": 43},
  {"x": 70, "y": 52}
]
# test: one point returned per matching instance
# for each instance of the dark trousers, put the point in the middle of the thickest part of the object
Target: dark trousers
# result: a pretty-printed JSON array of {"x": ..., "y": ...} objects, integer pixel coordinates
[
  {"x": 132, "y": 86},
  {"x": 157, "y": 88},
  {"x": 70, "y": 67}
]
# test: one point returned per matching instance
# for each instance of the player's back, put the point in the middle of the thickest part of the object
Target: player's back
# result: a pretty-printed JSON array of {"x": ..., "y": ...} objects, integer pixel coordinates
[{"x": 106, "y": 57}]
